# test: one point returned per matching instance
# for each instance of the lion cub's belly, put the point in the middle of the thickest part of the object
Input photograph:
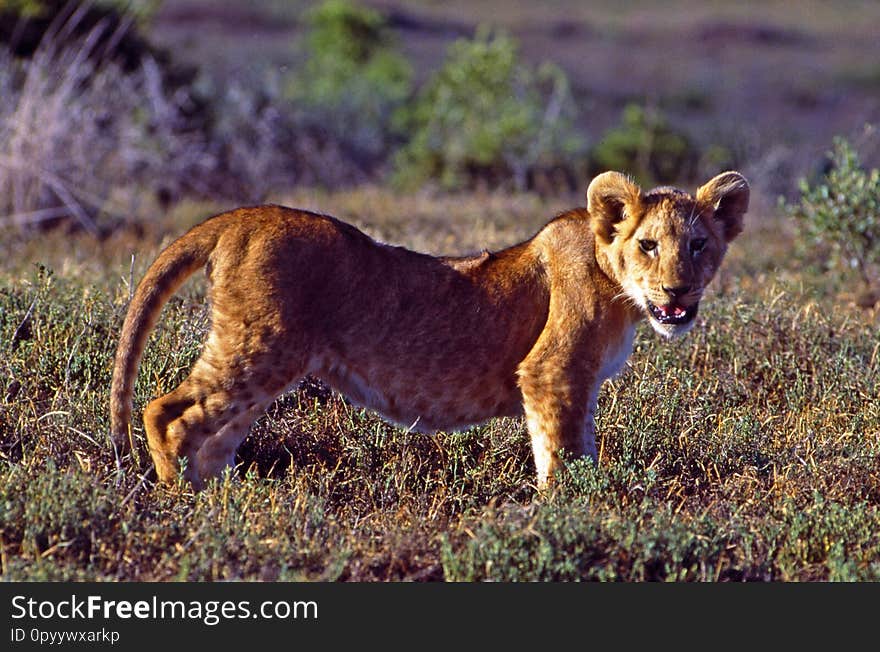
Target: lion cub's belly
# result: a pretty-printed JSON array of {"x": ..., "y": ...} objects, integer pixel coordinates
[{"x": 419, "y": 402}]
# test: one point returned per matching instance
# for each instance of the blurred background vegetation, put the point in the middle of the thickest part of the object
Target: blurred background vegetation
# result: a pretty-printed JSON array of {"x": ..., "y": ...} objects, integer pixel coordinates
[{"x": 112, "y": 106}]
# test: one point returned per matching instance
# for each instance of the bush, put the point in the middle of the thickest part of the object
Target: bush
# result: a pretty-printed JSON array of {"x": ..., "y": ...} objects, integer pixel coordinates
[
  {"x": 89, "y": 119},
  {"x": 259, "y": 146},
  {"x": 75, "y": 133},
  {"x": 645, "y": 146},
  {"x": 486, "y": 116},
  {"x": 89, "y": 135},
  {"x": 353, "y": 79},
  {"x": 841, "y": 214}
]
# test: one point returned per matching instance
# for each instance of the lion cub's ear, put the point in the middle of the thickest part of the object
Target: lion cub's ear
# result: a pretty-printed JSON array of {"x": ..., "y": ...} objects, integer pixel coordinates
[
  {"x": 728, "y": 196},
  {"x": 611, "y": 198}
]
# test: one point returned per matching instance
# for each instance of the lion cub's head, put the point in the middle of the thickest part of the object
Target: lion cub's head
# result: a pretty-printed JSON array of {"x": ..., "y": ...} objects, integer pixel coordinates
[{"x": 664, "y": 246}]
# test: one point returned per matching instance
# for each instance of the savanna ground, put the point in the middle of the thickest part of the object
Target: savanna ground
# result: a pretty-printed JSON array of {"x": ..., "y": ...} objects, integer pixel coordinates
[{"x": 747, "y": 450}]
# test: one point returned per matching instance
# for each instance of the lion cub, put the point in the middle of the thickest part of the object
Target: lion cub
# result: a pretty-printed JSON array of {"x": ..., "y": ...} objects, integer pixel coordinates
[{"x": 430, "y": 343}]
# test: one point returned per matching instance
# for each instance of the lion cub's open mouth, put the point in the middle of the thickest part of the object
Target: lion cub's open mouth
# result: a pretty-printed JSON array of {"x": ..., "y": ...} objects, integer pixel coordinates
[{"x": 675, "y": 315}]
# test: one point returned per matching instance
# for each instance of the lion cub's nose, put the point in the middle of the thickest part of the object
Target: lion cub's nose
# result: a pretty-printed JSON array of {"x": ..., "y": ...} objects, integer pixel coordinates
[{"x": 676, "y": 292}]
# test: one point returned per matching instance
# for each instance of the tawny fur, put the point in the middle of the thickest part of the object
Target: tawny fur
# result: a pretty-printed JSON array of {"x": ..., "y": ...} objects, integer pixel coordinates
[{"x": 432, "y": 343}]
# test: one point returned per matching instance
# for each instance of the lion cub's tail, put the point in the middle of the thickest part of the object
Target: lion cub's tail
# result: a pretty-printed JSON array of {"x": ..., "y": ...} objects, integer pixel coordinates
[{"x": 174, "y": 265}]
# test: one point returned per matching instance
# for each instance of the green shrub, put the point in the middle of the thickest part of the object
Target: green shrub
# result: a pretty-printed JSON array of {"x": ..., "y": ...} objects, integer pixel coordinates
[
  {"x": 840, "y": 213},
  {"x": 485, "y": 115},
  {"x": 645, "y": 146},
  {"x": 353, "y": 79}
]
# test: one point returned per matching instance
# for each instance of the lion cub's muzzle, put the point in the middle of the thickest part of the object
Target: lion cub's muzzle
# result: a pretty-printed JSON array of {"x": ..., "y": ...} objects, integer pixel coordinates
[
  {"x": 671, "y": 313},
  {"x": 676, "y": 306}
]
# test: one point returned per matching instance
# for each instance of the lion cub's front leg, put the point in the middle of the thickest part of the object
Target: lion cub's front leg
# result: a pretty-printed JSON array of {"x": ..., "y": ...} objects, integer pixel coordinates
[{"x": 559, "y": 416}]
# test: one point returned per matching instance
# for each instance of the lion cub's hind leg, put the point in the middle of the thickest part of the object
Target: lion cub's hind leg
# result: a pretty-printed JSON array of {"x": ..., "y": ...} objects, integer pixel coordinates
[{"x": 210, "y": 413}]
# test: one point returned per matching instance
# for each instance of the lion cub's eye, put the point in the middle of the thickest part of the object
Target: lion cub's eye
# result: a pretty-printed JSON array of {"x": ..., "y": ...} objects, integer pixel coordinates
[
  {"x": 648, "y": 246},
  {"x": 697, "y": 245}
]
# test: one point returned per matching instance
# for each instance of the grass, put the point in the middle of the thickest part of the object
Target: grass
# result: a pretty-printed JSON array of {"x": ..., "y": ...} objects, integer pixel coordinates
[{"x": 748, "y": 450}]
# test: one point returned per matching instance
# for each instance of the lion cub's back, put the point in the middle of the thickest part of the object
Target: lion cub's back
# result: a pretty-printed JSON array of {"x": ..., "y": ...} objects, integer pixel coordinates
[{"x": 402, "y": 332}]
